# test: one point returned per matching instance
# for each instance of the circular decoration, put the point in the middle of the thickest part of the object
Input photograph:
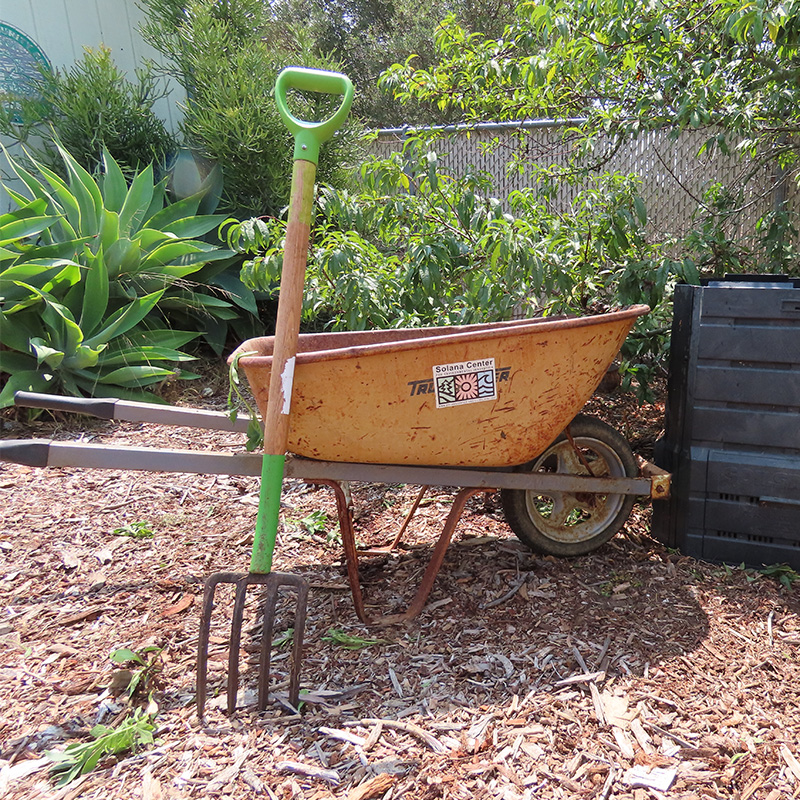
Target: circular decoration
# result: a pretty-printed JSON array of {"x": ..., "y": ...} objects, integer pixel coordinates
[{"x": 21, "y": 65}]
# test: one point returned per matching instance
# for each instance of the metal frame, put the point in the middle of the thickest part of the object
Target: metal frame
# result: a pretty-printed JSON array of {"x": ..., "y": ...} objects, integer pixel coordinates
[
  {"x": 46, "y": 453},
  {"x": 653, "y": 482}
]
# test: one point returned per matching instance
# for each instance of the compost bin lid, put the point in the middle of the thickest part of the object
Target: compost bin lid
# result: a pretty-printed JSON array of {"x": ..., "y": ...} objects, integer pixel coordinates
[{"x": 754, "y": 281}]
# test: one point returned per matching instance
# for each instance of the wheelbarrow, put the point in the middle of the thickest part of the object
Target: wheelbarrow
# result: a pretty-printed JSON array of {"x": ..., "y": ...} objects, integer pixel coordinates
[{"x": 481, "y": 407}]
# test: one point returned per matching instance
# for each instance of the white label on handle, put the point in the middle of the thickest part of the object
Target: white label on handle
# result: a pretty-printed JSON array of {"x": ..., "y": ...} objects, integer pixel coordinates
[{"x": 287, "y": 378}]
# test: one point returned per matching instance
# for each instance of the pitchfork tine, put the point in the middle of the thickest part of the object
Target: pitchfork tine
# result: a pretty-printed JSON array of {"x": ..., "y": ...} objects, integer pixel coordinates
[
  {"x": 277, "y": 579},
  {"x": 205, "y": 633},
  {"x": 235, "y": 642},
  {"x": 272, "y": 582},
  {"x": 266, "y": 648},
  {"x": 260, "y": 574},
  {"x": 297, "y": 643}
]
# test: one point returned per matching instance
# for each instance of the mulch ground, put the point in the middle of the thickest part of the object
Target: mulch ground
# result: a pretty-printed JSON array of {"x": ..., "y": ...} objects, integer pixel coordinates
[{"x": 633, "y": 672}]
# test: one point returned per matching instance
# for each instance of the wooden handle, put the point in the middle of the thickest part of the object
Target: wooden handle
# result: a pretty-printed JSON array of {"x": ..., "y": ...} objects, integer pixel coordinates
[
  {"x": 290, "y": 308},
  {"x": 287, "y": 333},
  {"x": 308, "y": 137}
]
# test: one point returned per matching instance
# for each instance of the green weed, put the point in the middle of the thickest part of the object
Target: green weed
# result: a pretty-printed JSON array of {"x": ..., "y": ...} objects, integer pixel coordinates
[
  {"x": 77, "y": 759},
  {"x": 348, "y": 642},
  {"x": 284, "y": 639},
  {"x": 146, "y": 666},
  {"x": 783, "y": 573},
  {"x": 136, "y": 530},
  {"x": 315, "y": 522}
]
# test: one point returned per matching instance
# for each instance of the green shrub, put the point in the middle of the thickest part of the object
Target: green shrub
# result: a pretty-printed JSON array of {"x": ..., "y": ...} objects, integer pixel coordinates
[
  {"x": 419, "y": 247},
  {"x": 90, "y": 107},
  {"x": 227, "y": 56},
  {"x": 86, "y": 306}
]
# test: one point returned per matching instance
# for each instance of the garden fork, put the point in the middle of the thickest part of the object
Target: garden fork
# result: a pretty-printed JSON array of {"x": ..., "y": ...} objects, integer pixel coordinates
[{"x": 308, "y": 136}]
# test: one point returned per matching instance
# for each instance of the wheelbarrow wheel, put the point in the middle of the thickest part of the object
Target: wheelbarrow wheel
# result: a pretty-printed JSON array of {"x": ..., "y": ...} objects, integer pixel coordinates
[{"x": 563, "y": 524}]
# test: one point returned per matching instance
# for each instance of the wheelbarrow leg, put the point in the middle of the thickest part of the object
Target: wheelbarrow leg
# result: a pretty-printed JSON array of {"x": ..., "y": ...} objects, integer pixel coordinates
[
  {"x": 435, "y": 564},
  {"x": 272, "y": 582},
  {"x": 431, "y": 571},
  {"x": 349, "y": 543},
  {"x": 409, "y": 516}
]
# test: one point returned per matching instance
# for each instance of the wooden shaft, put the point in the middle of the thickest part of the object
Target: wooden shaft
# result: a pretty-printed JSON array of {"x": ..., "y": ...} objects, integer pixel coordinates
[
  {"x": 287, "y": 331},
  {"x": 290, "y": 307}
]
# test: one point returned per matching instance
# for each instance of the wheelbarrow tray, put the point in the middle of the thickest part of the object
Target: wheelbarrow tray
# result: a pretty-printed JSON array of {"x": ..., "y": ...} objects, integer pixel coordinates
[{"x": 490, "y": 395}]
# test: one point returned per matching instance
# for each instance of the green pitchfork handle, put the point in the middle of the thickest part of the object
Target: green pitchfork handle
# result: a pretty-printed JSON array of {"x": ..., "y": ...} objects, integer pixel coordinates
[{"x": 308, "y": 137}]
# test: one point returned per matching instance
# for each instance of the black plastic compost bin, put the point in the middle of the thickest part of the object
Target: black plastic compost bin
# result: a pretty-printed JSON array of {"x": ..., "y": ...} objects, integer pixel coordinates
[{"x": 732, "y": 438}]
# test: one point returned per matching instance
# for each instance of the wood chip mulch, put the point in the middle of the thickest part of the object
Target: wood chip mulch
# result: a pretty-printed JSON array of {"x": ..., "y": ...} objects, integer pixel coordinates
[{"x": 633, "y": 672}]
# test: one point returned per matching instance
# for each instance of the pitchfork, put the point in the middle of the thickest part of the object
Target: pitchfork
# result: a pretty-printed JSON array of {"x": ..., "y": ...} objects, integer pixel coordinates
[{"x": 308, "y": 136}]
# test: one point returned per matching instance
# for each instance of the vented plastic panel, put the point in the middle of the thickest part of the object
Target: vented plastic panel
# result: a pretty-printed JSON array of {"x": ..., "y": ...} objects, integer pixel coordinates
[{"x": 732, "y": 436}]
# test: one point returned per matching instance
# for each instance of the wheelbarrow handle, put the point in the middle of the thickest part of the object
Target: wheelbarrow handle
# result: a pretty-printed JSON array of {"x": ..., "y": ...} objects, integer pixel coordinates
[
  {"x": 131, "y": 411},
  {"x": 102, "y": 408},
  {"x": 308, "y": 136}
]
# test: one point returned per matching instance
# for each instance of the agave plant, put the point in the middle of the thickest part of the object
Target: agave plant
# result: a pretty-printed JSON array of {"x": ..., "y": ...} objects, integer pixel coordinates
[{"x": 88, "y": 270}]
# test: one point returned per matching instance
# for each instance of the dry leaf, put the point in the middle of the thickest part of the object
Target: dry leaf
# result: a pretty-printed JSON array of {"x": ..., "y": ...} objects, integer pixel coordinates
[
  {"x": 151, "y": 787},
  {"x": 70, "y": 560},
  {"x": 96, "y": 580},
  {"x": 374, "y": 787},
  {"x": 658, "y": 778},
  {"x": 181, "y": 605},
  {"x": 104, "y": 556},
  {"x": 791, "y": 761},
  {"x": 89, "y": 613},
  {"x": 615, "y": 709}
]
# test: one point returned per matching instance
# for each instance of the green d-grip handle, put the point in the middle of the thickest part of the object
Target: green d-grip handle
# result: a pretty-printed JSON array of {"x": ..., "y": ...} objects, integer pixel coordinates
[{"x": 308, "y": 136}]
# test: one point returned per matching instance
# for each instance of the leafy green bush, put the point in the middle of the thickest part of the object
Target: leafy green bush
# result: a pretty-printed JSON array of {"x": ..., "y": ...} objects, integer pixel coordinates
[
  {"x": 90, "y": 107},
  {"x": 620, "y": 69},
  {"x": 419, "y": 247},
  {"x": 86, "y": 307}
]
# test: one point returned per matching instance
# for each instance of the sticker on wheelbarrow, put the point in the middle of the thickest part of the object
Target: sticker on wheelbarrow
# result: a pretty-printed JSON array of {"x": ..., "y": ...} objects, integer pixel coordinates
[
  {"x": 426, "y": 386},
  {"x": 467, "y": 382}
]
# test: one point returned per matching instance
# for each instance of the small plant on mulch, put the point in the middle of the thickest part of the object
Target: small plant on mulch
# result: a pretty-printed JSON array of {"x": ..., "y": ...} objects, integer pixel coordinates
[
  {"x": 135, "y": 530},
  {"x": 348, "y": 642},
  {"x": 133, "y": 733},
  {"x": 782, "y": 573},
  {"x": 145, "y": 668}
]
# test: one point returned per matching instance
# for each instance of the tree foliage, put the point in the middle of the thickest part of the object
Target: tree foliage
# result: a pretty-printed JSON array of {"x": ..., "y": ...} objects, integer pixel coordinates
[
  {"x": 727, "y": 67},
  {"x": 627, "y": 64},
  {"x": 90, "y": 107},
  {"x": 367, "y": 36}
]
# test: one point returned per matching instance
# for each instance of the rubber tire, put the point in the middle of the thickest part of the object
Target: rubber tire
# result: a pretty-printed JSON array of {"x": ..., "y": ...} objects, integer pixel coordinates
[{"x": 609, "y": 446}]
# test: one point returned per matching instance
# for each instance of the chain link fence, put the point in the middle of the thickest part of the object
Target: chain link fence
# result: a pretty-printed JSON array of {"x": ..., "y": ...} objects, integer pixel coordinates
[{"x": 674, "y": 177}]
